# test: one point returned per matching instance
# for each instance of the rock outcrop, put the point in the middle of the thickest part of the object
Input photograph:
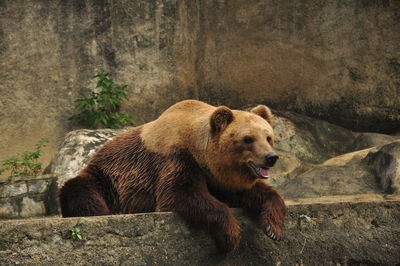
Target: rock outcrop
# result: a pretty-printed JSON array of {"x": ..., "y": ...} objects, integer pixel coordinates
[
  {"x": 309, "y": 139},
  {"x": 385, "y": 163},
  {"x": 369, "y": 140},
  {"x": 28, "y": 196}
]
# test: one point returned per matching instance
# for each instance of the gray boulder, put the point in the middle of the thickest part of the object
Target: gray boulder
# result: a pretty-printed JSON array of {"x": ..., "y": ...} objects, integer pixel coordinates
[
  {"x": 385, "y": 163},
  {"x": 311, "y": 140},
  {"x": 342, "y": 175},
  {"x": 374, "y": 170}
]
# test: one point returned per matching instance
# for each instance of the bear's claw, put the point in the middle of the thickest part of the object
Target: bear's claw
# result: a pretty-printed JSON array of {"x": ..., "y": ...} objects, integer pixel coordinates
[{"x": 270, "y": 233}]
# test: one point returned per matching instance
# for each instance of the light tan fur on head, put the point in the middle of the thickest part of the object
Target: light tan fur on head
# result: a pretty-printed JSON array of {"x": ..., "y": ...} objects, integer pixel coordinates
[{"x": 232, "y": 152}]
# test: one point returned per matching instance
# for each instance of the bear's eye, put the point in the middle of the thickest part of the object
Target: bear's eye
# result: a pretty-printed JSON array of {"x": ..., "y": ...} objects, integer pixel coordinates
[
  {"x": 248, "y": 140},
  {"x": 269, "y": 139}
]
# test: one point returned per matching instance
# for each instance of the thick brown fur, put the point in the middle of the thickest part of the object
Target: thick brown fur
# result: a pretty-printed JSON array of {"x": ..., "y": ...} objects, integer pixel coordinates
[{"x": 193, "y": 161}]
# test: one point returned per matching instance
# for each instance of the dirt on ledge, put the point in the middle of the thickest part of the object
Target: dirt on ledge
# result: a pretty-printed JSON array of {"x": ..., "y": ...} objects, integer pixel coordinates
[{"x": 338, "y": 233}]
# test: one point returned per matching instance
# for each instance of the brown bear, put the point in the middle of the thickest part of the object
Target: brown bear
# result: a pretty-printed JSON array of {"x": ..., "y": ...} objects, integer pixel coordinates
[{"x": 196, "y": 160}]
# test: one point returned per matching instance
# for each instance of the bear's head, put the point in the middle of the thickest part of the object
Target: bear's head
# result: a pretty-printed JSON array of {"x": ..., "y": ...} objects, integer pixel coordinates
[{"x": 242, "y": 146}]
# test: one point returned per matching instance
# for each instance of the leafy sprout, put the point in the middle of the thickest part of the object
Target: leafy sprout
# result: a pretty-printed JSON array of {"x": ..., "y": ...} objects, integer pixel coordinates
[{"x": 75, "y": 231}]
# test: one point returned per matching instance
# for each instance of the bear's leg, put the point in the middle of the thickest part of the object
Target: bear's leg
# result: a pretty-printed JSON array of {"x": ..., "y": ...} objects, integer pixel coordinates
[
  {"x": 194, "y": 203},
  {"x": 265, "y": 203},
  {"x": 81, "y": 196}
]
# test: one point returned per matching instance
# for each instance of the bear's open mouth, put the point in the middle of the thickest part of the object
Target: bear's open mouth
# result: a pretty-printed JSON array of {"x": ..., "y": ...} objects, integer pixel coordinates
[{"x": 261, "y": 172}]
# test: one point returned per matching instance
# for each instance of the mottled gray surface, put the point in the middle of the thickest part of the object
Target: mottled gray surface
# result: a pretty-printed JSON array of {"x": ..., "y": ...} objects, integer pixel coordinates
[
  {"x": 336, "y": 60},
  {"x": 314, "y": 234},
  {"x": 28, "y": 196}
]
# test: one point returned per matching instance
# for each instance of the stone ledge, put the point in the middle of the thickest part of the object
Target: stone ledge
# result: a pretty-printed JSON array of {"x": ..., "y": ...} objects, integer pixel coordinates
[{"x": 342, "y": 233}]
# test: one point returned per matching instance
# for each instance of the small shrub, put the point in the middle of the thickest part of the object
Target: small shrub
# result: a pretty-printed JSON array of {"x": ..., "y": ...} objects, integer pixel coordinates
[
  {"x": 27, "y": 164},
  {"x": 102, "y": 109},
  {"x": 75, "y": 231}
]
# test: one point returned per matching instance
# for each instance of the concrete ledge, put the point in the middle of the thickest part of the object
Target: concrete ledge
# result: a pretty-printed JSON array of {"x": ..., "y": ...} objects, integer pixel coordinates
[{"x": 343, "y": 233}]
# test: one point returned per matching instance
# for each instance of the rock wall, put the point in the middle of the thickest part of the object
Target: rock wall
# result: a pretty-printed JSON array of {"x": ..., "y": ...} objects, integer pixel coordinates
[
  {"x": 28, "y": 196},
  {"x": 315, "y": 234},
  {"x": 50, "y": 49},
  {"x": 338, "y": 60}
]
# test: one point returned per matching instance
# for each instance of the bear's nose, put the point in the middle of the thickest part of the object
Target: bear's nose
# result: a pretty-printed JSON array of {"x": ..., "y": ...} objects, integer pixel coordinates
[{"x": 271, "y": 158}]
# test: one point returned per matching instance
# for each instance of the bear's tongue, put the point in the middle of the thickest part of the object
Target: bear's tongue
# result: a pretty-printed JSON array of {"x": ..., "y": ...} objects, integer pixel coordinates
[{"x": 264, "y": 171}]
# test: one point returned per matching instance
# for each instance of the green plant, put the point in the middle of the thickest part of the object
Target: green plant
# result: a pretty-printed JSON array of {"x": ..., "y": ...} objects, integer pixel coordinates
[
  {"x": 27, "y": 164},
  {"x": 102, "y": 109},
  {"x": 75, "y": 231}
]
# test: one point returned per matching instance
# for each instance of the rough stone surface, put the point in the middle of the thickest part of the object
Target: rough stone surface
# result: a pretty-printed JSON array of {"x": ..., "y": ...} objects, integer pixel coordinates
[
  {"x": 374, "y": 170},
  {"x": 341, "y": 175},
  {"x": 369, "y": 140},
  {"x": 310, "y": 139},
  {"x": 49, "y": 51},
  {"x": 336, "y": 60},
  {"x": 36, "y": 198},
  {"x": 31, "y": 208},
  {"x": 363, "y": 233},
  {"x": 39, "y": 186},
  {"x": 13, "y": 190},
  {"x": 385, "y": 163},
  {"x": 6, "y": 210}
]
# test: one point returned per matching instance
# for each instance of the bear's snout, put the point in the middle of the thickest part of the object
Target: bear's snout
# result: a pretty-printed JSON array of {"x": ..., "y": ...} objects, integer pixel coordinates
[{"x": 270, "y": 159}]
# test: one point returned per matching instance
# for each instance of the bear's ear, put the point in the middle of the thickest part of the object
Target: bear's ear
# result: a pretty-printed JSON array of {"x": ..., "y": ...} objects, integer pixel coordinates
[
  {"x": 264, "y": 112},
  {"x": 220, "y": 119}
]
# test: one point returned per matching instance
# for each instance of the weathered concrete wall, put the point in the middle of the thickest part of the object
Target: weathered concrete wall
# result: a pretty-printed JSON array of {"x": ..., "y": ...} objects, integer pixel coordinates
[
  {"x": 336, "y": 234},
  {"x": 336, "y": 60},
  {"x": 28, "y": 196}
]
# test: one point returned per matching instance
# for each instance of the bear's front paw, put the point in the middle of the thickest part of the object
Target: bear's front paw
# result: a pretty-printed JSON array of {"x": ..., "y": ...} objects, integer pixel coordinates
[
  {"x": 273, "y": 216},
  {"x": 228, "y": 240},
  {"x": 272, "y": 222},
  {"x": 274, "y": 233}
]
